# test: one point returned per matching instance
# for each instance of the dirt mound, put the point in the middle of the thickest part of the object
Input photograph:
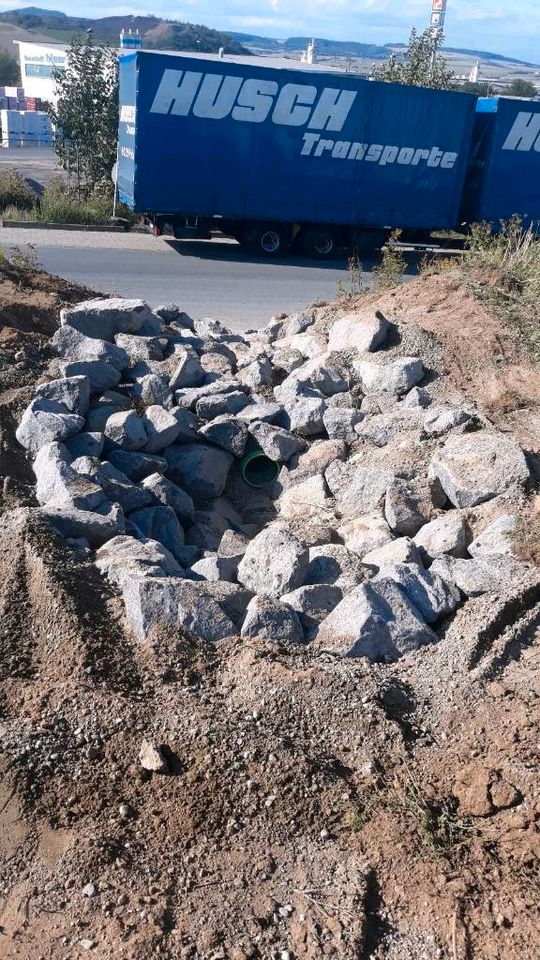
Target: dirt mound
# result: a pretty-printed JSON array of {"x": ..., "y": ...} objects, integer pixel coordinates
[{"x": 311, "y": 806}]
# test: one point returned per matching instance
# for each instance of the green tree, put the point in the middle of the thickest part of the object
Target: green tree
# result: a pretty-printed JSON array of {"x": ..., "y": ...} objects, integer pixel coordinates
[
  {"x": 420, "y": 64},
  {"x": 521, "y": 88},
  {"x": 9, "y": 70},
  {"x": 86, "y": 112},
  {"x": 481, "y": 88}
]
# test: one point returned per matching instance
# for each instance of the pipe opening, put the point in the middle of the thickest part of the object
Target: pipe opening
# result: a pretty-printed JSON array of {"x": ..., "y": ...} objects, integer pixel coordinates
[{"x": 257, "y": 469}]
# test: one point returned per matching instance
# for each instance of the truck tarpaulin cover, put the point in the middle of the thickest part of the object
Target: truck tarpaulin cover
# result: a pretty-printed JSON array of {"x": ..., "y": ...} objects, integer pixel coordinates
[
  {"x": 240, "y": 140},
  {"x": 504, "y": 179}
]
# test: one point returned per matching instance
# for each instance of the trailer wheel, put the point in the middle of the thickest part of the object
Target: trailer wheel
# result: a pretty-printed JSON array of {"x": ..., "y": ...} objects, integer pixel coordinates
[
  {"x": 266, "y": 239},
  {"x": 318, "y": 242}
]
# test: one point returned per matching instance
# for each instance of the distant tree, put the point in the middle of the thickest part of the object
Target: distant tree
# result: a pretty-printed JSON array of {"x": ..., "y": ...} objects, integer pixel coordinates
[
  {"x": 481, "y": 88},
  {"x": 420, "y": 64},
  {"x": 521, "y": 88},
  {"x": 10, "y": 75},
  {"x": 86, "y": 112}
]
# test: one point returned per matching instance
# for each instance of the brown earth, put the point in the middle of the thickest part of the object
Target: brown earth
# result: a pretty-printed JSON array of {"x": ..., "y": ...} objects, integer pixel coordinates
[{"x": 312, "y": 807}]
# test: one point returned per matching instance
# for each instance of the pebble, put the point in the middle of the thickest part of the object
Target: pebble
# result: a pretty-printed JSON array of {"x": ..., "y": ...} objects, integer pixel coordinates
[
  {"x": 324, "y": 834},
  {"x": 87, "y": 944},
  {"x": 89, "y": 890}
]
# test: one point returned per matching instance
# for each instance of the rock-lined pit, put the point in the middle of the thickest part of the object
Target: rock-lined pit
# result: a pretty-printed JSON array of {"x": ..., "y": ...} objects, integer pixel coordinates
[{"x": 392, "y": 504}]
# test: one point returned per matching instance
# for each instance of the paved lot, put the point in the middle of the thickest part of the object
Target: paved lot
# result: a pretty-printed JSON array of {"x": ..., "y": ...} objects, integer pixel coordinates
[
  {"x": 36, "y": 163},
  {"x": 205, "y": 277}
]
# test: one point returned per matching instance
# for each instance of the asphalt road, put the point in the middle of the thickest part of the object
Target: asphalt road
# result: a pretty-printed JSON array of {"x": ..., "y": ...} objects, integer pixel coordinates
[
  {"x": 207, "y": 278},
  {"x": 36, "y": 163}
]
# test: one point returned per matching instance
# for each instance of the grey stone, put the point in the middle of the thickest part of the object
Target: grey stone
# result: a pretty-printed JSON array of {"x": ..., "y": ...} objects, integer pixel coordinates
[
  {"x": 269, "y": 619},
  {"x": 45, "y": 421},
  {"x": 102, "y": 375},
  {"x": 227, "y": 432},
  {"x": 365, "y": 533},
  {"x": 447, "y": 534},
  {"x": 339, "y": 423},
  {"x": 475, "y": 467},
  {"x": 56, "y": 480},
  {"x": 188, "y": 371},
  {"x": 276, "y": 443},
  {"x": 199, "y": 468},
  {"x": 402, "y": 550},
  {"x": 364, "y": 331},
  {"x": 72, "y": 392},
  {"x": 440, "y": 420},
  {"x": 287, "y": 359},
  {"x": 216, "y": 568},
  {"x": 153, "y": 390},
  {"x": 233, "y": 546},
  {"x": 309, "y": 498},
  {"x": 489, "y": 574},
  {"x": 232, "y": 598},
  {"x": 72, "y": 345},
  {"x": 215, "y": 365},
  {"x": 161, "y": 428},
  {"x": 105, "y": 318},
  {"x": 151, "y": 601},
  {"x": 257, "y": 374},
  {"x": 381, "y": 429},
  {"x": 170, "y": 495},
  {"x": 85, "y": 444},
  {"x": 396, "y": 377},
  {"x": 377, "y": 621},
  {"x": 151, "y": 757},
  {"x": 116, "y": 485},
  {"x": 137, "y": 466},
  {"x": 323, "y": 373},
  {"x": 417, "y": 397},
  {"x": 188, "y": 425},
  {"x": 126, "y": 431},
  {"x": 433, "y": 597},
  {"x": 305, "y": 416},
  {"x": 221, "y": 403},
  {"x": 316, "y": 459},
  {"x": 72, "y": 523},
  {"x": 401, "y": 509},
  {"x": 310, "y": 343},
  {"x": 161, "y": 524},
  {"x": 169, "y": 312},
  {"x": 209, "y": 327},
  {"x": 264, "y": 412},
  {"x": 497, "y": 538},
  {"x": 274, "y": 563},
  {"x": 313, "y": 603},
  {"x": 140, "y": 348},
  {"x": 333, "y": 563},
  {"x": 299, "y": 322},
  {"x": 189, "y": 397},
  {"x": 125, "y": 558},
  {"x": 188, "y": 555},
  {"x": 357, "y": 488}
]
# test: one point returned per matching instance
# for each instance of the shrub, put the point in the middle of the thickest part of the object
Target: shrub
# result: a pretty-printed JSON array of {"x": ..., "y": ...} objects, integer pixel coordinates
[{"x": 15, "y": 192}]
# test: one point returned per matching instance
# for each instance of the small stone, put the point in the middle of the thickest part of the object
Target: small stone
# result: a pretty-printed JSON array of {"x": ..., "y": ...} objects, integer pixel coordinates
[
  {"x": 151, "y": 757},
  {"x": 89, "y": 890},
  {"x": 87, "y": 944}
]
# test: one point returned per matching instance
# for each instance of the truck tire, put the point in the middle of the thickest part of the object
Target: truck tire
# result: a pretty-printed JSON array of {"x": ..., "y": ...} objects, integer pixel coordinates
[
  {"x": 318, "y": 242},
  {"x": 266, "y": 239}
]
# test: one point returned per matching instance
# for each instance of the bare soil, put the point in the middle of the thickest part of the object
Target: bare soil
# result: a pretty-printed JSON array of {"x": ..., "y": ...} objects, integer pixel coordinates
[{"x": 312, "y": 807}]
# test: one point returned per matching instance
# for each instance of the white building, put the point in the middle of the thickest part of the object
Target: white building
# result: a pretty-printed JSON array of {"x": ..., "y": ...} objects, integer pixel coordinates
[{"x": 38, "y": 60}]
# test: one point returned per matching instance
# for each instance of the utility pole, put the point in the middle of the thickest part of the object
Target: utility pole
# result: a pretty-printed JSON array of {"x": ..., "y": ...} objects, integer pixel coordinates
[{"x": 438, "y": 11}]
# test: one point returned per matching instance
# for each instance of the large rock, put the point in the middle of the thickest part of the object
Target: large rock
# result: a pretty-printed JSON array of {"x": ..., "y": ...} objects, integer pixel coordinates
[
  {"x": 475, "y": 467},
  {"x": 105, "y": 318},
  {"x": 125, "y": 430},
  {"x": 116, "y": 485},
  {"x": 152, "y": 389},
  {"x": 140, "y": 349},
  {"x": 151, "y": 601},
  {"x": 304, "y": 415},
  {"x": 72, "y": 523},
  {"x": 332, "y": 563},
  {"x": 190, "y": 396},
  {"x": 137, "y": 466},
  {"x": 363, "y": 330},
  {"x": 188, "y": 371},
  {"x": 441, "y": 419},
  {"x": 72, "y": 392},
  {"x": 227, "y": 432},
  {"x": 401, "y": 550},
  {"x": 497, "y": 538},
  {"x": 322, "y": 373},
  {"x": 199, "y": 468},
  {"x": 188, "y": 425},
  {"x": 396, "y": 377},
  {"x": 161, "y": 428},
  {"x": 401, "y": 509},
  {"x": 268, "y": 412},
  {"x": 377, "y": 621},
  {"x": 276, "y": 443},
  {"x": 170, "y": 495},
  {"x": 447, "y": 534},
  {"x": 357, "y": 488},
  {"x": 489, "y": 574},
  {"x": 257, "y": 374},
  {"x": 214, "y": 568},
  {"x": 73, "y": 345},
  {"x": 433, "y": 597},
  {"x": 124, "y": 558},
  {"x": 306, "y": 499},
  {"x": 161, "y": 524},
  {"x": 56, "y": 480},
  {"x": 46, "y": 421},
  {"x": 339, "y": 423},
  {"x": 274, "y": 563},
  {"x": 86, "y": 444},
  {"x": 101, "y": 375},
  {"x": 208, "y": 408},
  {"x": 365, "y": 533},
  {"x": 313, "y": 603},
  {"x": 271, "y": 620}
]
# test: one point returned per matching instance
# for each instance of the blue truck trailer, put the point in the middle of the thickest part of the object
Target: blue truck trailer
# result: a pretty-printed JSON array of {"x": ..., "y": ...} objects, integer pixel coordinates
[{"x": 276, "y": 156}]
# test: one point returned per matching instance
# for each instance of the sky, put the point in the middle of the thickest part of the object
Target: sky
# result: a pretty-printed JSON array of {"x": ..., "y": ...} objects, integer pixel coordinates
[{"x": 502, "y": 26}]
